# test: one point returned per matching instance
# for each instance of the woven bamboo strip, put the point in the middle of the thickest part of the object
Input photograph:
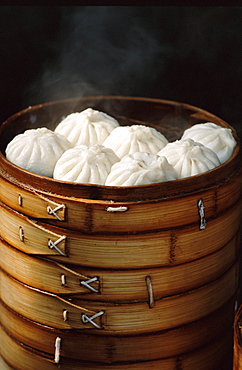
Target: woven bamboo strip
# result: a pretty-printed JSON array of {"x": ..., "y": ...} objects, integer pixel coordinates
[
  {"x": 208, "y": 357},
  {"x": 113, "y": 285},
  {"x": 168, "y": 247},
  {"x": 92, "y": 216},
  {"x": 131, "y": 317},
  {"x": 114, "y": 348}
]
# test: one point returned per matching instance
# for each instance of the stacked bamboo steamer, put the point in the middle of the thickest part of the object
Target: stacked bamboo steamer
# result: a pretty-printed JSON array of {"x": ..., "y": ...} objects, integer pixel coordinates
[
  {"x": 96, "y": 277},
  {"x": 237, "y": 363}
]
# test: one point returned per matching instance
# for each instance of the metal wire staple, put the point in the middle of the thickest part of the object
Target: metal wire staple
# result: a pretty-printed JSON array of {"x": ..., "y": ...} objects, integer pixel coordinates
[
  {"x": 57, "y": 350},
  {"x": 201, "y": 214}
]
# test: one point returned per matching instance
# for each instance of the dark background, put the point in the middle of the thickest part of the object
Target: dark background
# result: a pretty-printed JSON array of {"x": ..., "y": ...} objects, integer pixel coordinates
[{"x": 188, "y": 54}]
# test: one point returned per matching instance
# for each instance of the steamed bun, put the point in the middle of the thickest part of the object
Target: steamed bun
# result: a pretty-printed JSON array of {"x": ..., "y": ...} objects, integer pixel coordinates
[
  {"x": 189, "y": 158},
  {"x": 215, "y": 137},
  {"x": 137, "y": 138},
  {"x": 89, "y": 127},
  {"x": 139, "y": 169},
  {"x": 85, "y": 164},
  {"x": 37, "y": 150}
]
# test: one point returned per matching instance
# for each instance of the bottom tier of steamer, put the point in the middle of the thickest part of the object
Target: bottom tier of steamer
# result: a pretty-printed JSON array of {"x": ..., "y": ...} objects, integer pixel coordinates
[
  {"x": 211, "y": 357},
  {"x": 198, "y": 332},
  {"x": 215, "y": 355},
  {"x": 29, "y": 345}
]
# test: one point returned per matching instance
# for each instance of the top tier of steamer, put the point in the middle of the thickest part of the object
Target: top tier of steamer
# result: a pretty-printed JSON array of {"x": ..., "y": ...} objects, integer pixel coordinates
[{"x": 96, "y": 208}]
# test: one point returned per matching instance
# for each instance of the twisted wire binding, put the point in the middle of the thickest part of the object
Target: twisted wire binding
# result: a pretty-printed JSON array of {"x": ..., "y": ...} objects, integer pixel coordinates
[
  {"x": 54, "y": 211},
  {"x": 86, "y": 319},
  {"x": 86, "y": 284},
  {"x": 52, "y": 244}
]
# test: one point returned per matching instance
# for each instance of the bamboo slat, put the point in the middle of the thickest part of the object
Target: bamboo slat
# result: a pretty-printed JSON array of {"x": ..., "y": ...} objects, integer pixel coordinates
[
  {"x": 114, "y": 285},
  {"x": 114, "y": 348},
  {"x": 131, "y": 317},
  {"x": 92, "y": 216},
  {"x": 214, "y": 356},
  {"x": 168, "y": 247}
]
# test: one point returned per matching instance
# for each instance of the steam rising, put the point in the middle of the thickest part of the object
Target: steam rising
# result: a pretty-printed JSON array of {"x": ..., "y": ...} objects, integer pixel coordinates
[
  {"x": 184, "y": 53},
  {"x": 101, "y": 50}
]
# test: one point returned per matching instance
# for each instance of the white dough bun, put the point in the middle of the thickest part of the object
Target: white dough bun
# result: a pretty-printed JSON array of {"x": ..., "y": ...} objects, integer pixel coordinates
[
  {"x": 85, "y": 164},
  {"x": 140, "y": 169},
  {"x": 189, "y": 158},
  {"x": 37, "y": 150},
  {"x": 137, "y": 138},
  {"x": 89, "y": 127},
  {"x": 219, "y": 139}
]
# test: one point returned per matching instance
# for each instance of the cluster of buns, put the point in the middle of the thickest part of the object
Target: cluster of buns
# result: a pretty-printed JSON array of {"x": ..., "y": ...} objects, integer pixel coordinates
[{"x": 92, "y": 147}]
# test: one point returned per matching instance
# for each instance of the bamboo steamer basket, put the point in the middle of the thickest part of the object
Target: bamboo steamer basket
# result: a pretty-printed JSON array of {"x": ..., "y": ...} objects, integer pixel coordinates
[{"x": 146, "y": 273}]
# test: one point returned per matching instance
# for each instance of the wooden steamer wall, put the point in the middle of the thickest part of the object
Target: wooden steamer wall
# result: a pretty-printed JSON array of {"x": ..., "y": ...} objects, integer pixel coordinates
[
  {"x": 237, "y": 363},
  {"x": 96, "y": 277}
]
